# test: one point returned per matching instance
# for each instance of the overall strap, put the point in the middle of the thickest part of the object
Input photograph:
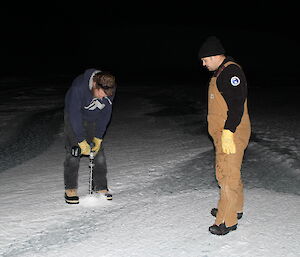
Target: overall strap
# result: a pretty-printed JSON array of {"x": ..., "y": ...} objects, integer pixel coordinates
[{"x": 224, "y": 66}]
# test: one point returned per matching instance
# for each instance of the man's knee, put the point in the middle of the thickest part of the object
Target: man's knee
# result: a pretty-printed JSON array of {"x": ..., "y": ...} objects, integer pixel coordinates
[
  {"x": 100, "y": 158},
  {"x": 71, "y": 161},
  {"x": 229, "y": 185}
]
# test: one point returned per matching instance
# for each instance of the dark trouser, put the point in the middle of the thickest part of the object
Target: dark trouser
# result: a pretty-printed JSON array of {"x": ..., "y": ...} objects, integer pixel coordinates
[{"x": 71, "y": 164}]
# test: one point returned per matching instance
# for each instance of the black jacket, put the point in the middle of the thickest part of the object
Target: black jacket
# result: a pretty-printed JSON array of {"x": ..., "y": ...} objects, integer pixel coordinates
[{"x": 232, "y": 84}]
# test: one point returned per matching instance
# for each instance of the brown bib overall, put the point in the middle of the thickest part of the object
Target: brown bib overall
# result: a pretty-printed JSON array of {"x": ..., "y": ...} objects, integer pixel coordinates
[{"x": 228, "y": 166}]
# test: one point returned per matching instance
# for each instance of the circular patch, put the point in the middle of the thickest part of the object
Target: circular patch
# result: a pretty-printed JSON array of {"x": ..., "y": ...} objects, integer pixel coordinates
[{"x": 235, "y": 81}]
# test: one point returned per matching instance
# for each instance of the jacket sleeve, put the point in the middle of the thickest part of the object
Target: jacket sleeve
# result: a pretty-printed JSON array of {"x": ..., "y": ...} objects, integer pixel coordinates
[
  {"x": 104, "y": 120},
  {"x": 233, "y": 86},
  {"x": 75, "y": 115}
]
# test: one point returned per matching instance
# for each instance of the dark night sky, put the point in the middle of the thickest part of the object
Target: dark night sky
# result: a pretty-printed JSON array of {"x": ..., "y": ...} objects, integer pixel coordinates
[{"x": 140, "y": 41}]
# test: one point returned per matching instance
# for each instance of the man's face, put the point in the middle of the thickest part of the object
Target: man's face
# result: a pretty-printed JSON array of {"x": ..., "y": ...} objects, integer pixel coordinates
[
  {"x": 211, "y": 63},
  {"x": 98, "y": 93}
]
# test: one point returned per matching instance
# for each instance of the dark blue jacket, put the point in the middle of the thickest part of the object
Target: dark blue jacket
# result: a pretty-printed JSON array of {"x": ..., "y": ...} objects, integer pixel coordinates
[{"x": 80, "y": 105}]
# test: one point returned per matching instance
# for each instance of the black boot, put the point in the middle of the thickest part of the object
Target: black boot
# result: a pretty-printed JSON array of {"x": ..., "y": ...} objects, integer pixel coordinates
[
  {"x": 215, "y": 210},
  {"x": 221, "y": 229}
]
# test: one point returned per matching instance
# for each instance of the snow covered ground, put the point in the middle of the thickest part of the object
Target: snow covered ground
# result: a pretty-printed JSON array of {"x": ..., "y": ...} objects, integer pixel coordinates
[{"x": 161, "y": 173}]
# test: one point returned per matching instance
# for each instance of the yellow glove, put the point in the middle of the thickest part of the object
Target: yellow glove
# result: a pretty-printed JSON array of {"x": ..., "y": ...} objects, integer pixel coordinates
[
  {"x": 97, "y": 144},
  {"x": 228, "y": 144},
  {"x": 84, "y": 147}
]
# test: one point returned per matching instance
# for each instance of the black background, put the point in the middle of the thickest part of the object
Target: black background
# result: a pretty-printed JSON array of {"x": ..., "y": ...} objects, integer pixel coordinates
[{"x": 148, "y": 41}]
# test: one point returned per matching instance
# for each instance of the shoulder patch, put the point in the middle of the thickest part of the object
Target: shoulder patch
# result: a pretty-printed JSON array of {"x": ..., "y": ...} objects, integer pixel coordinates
[{"x": 235, "y": 81}]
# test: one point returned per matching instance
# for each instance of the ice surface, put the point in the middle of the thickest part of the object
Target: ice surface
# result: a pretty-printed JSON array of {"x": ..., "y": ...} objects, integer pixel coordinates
[{"x": 161, "y": 173}]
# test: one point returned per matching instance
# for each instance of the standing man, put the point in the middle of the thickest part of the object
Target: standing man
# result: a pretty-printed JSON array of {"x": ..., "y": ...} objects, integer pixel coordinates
[
  {"x": 88, "y": 109},
  {"x": 229, "y": 126}
]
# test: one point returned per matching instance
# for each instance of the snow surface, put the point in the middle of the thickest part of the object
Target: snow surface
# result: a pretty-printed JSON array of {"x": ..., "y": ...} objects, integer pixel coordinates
[{"x": 161, "y": 173}]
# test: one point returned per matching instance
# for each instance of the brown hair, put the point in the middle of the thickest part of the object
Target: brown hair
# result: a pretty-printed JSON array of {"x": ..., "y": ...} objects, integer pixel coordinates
[{"x": 106, "y": 81}]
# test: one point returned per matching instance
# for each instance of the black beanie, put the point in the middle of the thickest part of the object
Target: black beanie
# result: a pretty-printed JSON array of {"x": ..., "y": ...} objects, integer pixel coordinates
[{"x": 211, "y": 47}]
